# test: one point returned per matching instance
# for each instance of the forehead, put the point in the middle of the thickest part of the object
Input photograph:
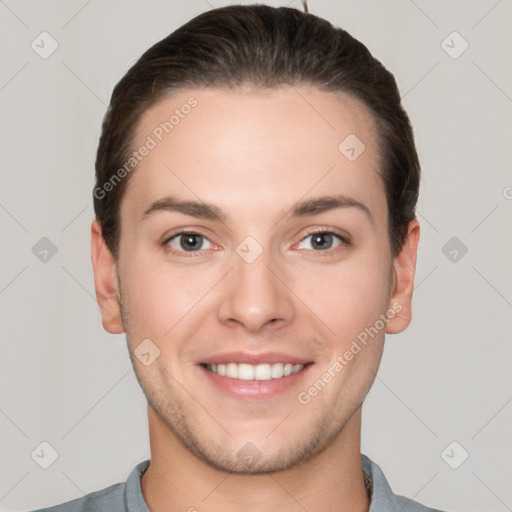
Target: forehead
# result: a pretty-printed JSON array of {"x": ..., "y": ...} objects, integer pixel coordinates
[{"x": 276, "y": 145}]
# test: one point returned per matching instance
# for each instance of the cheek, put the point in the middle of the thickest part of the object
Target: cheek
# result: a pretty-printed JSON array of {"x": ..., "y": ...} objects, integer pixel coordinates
[
  {"x": 350, "y": 298},
  {"x": 159, "y": 297}
]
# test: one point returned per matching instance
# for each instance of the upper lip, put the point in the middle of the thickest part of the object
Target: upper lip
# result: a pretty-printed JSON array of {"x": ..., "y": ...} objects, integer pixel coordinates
[{"x": 254, "y": 358}]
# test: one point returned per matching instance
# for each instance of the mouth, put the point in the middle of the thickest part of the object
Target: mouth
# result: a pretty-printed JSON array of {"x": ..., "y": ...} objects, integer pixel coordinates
[
  {"x": 255, "y": 377},
  {"x": 265, "y": 371}
]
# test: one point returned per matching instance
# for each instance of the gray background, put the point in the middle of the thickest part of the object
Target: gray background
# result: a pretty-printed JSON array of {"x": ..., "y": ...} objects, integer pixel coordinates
[{"x": 447, "y": 378}]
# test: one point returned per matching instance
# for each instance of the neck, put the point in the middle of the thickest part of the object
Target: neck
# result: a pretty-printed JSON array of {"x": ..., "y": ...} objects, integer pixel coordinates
[{"x": 177, "y": 480}]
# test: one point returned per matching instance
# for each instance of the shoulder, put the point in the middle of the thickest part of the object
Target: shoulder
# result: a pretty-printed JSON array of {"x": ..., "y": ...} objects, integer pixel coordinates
[
  {"x": 121, "y": 497},
  {"x": 110, "y": 499},
  {"x": 383, "y": 498}
]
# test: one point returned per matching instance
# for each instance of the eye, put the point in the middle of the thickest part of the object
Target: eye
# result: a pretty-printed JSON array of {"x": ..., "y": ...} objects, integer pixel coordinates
[
  {"x": 189, "y": 242},
  {"x": 321, "y": 241}
]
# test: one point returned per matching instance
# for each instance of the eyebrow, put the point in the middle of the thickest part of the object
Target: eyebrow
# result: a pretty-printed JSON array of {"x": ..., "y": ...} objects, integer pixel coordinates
[
  {"x": 193, "y": 208},
  {"x": 325, "y": 203},
  {"x": 204, "y": 210}
]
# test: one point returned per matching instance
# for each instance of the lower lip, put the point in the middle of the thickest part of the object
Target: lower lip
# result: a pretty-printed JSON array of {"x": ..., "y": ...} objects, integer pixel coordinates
[{"x": 255, "y": 390}]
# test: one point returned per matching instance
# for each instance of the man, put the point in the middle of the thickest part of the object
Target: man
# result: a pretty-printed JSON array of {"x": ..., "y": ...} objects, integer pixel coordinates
[{"x": 255, "y": 237}]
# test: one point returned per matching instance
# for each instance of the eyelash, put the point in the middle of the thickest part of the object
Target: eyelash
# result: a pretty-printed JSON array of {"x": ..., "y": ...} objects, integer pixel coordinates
[
  {"x": 177, "y": 234},
  {"x": 344, "y": 241}
]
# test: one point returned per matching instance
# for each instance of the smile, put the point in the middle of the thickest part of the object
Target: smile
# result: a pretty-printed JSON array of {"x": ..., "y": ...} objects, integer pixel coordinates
[{"x": 265, "y": 371}]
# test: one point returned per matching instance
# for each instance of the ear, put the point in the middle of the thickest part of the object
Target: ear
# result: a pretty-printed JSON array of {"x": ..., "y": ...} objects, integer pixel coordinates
[
  {"x": 404, "y": 268},
  {"x": 106, "y": 282}
]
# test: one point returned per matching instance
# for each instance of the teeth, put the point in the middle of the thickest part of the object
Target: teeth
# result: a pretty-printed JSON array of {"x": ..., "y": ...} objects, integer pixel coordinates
[
  {"x": 231, "y": 370},
  {"x": 245, "y": 372},
  {"x": 277, "y": 370},
  {"x": 264, "y": 371},
  {"x": 296, "y": 368}
]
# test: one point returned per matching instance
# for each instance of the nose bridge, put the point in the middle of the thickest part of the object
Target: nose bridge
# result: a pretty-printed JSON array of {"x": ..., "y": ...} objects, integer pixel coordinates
[{"x": 253, "y": 295}]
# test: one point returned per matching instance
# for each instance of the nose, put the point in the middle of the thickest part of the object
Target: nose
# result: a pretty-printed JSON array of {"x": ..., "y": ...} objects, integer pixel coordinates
[{"x": 254, "y": 296}]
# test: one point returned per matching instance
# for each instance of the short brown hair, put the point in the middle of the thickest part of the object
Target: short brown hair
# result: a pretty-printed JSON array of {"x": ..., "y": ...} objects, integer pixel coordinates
[{"x": 263, "y": 47}]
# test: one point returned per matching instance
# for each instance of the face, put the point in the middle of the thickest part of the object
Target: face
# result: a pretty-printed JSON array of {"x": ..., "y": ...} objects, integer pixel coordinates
[{"x": 254, "y": 256}]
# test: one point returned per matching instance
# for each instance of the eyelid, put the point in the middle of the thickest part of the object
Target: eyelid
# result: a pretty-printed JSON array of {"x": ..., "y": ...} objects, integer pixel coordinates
[
  {"x": 186, "y": 231},
  {"x": 341, "y": 234}
]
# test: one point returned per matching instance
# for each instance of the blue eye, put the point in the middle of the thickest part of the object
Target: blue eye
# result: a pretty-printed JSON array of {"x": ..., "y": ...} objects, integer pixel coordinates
[
  {"x": 321, "y": 241},
  {"x": 189, "y": 242}
]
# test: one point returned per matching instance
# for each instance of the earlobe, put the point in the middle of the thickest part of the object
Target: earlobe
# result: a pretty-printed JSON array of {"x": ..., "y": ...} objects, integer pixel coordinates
[
  {"x": 404, "y": 268},
  {"x": 105, "y": 281}
]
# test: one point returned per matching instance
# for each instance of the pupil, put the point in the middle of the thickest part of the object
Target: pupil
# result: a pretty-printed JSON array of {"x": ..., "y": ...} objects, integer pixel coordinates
[
  {"x": 190, "y": 242},
  {"x": 322, "y": 241}
]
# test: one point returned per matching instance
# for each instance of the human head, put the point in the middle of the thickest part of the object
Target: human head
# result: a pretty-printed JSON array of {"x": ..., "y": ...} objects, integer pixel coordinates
[
  {"x": 250, "y": 149},
  {"x": 261, "y": 47}
]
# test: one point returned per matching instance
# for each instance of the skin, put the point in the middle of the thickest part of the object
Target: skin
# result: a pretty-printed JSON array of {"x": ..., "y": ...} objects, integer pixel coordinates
[{"x": 255, "y": 155}]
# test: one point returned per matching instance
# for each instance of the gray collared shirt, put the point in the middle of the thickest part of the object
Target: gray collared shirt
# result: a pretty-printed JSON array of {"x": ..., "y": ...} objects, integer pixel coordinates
[{"x": 127, "y": 496}]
